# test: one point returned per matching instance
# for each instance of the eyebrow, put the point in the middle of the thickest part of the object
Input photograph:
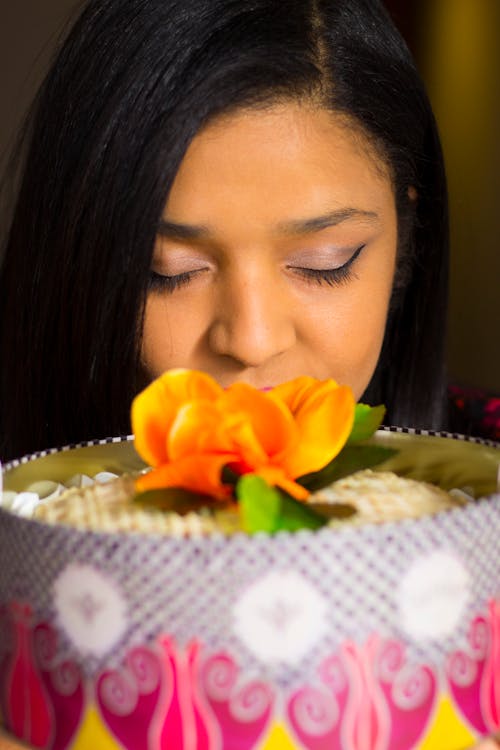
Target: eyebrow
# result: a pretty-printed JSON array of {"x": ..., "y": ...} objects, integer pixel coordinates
[
  {"x": 173, "y": 230},
  {"x": 331, "y": 219},
  {"x": 179, "y": 231}
]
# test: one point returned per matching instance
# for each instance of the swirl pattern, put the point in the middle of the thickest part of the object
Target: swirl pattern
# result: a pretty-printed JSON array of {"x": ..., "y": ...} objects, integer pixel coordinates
[
  {"x": 461, "y": 669},
  {"x": 313, "y": 712},
  {"x": 145, "y": 667},
  {"x": 251, "y": 702},
  {"x": 66, "y": 678},
  {"x": 117, "y": 693},
  {"x": 390, "y": 661},
  {"x": 219, "y": 677},
  {"x": 412, "y": 688},
  {"x": 479, "y": 637}
]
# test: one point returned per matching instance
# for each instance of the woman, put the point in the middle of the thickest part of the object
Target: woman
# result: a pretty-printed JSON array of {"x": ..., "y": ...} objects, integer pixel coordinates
[
  {"x": 255, "y": 189},
  {"x": 251, "y": 188}
]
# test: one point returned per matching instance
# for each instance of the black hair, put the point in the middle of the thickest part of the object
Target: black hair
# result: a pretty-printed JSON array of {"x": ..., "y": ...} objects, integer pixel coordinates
[{"x": 130, "y": 87}]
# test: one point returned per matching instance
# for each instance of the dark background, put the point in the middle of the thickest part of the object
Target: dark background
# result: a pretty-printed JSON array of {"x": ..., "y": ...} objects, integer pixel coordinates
[{"x": 456, "y": 48}]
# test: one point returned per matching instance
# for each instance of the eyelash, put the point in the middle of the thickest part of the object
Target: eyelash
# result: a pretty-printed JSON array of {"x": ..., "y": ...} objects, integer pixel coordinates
[
  {"x": 331, "y": 276},
  {"x": 160, "y": 283}
]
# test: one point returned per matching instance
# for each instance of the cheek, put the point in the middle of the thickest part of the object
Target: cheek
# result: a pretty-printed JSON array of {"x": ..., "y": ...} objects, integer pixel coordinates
[
  {"x": 168, "y": 337},
  {"x": 154, "y": 335},
  {"x": 349, "y": 330},
  {"x": 352, "y": 346},
  {"x": 362, "y": 342}
]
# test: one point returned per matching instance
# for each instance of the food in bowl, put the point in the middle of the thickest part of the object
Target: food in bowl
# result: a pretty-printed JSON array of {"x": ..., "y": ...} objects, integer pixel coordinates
[{"x": 238, "y": 459}]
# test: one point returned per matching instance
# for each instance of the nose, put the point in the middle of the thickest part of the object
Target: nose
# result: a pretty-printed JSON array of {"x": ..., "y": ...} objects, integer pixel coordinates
[{"x": 254, "y": 321}]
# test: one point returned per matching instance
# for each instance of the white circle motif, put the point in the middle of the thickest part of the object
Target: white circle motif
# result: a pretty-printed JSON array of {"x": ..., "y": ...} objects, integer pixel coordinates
[
  {"x": 90, "y": 608},
  {"x": 280, "y": 617},
  {"x": 433, "y": 595}
]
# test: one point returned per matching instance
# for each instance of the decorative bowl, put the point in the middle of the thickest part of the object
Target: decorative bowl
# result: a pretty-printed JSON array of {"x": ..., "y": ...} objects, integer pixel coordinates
[{"x": 378, "y": 637}]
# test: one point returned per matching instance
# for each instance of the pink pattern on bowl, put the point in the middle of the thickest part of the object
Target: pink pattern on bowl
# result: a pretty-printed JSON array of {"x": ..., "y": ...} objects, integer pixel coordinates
[
  {"x": 374, "y": 702},
  {"x": 473, "y": 674},
  {"x": 242, "y": 712},
  {"x": 128, "y": 697},
  {"x": 63, "y": 684},
  {"x": 27, "y": 711}
]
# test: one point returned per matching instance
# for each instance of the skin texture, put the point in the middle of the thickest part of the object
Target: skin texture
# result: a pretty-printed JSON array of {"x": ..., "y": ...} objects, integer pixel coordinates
[{"x": 245, "y": 308}]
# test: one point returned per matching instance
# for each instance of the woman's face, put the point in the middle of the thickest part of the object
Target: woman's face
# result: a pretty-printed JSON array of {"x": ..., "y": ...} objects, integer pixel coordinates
[{"x": 276, "y": 253}]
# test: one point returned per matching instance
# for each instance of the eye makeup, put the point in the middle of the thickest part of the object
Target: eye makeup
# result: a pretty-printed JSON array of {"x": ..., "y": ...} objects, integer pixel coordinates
[
  {"x": 174, "y": 269},
  {"x": 331, "y": 276},
  {"x": 337, "y": 275},
  {"x": 160, "y": 283}
]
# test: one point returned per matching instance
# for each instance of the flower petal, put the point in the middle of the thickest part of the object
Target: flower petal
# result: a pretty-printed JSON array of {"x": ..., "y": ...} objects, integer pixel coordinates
[
  {"x": 154, "y": 409},
  {"x": 324, "y": 416},
  {"x": 299, "y": 390},
  {"x": 196, "y": 473},
  {"x": 275, "y": 476},
  {"x": 272, "y": 424},
  {"x": 199, "y": 427},
  {"x": 245, "y": 442}
]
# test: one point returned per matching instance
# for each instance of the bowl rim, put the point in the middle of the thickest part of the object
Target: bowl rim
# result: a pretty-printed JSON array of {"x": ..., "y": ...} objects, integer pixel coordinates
[
  {"x": 27, "y": 458},
  {"x": 345, "y": 529}
]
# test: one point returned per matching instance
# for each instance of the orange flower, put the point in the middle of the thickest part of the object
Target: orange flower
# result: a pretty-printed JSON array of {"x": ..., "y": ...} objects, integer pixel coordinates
[{"x": 188, "y": 428}]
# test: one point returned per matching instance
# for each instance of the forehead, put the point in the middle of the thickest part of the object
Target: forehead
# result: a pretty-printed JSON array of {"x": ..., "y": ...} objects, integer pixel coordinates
[{"x": 278, "y": 157}]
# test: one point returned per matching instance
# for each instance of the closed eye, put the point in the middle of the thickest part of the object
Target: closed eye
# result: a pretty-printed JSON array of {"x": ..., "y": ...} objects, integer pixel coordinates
[
  {"x": 330, "y": 276},
  {"x": 158, "y": 282}
]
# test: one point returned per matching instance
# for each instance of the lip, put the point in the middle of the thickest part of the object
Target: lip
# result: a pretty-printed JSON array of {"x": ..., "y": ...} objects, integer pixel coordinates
[{"x": 262, "y": 389}]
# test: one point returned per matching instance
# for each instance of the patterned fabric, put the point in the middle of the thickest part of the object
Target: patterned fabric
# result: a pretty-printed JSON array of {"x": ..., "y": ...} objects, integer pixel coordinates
[{"x": 473, "y": 411}]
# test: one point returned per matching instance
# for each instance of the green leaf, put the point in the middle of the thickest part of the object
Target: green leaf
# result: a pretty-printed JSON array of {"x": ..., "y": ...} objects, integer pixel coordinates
[
  {"x": 296, "y": 515},
  {"x": 367, "y": 419},
  {"x": 174, "y": 500},
  {"x": 350, "y": 459},
  {"x": 265, "y": 508},
  {"x": 259, "y": 504}
]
